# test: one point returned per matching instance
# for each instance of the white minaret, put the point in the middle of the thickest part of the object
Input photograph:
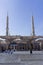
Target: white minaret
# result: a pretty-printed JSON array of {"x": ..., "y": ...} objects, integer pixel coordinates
[
  {"x": 33, "y": 30},
  {"x": 7, "y": 24}
]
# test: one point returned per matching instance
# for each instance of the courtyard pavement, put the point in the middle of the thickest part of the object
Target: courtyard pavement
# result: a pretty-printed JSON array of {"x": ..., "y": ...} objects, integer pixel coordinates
[{"x": 22, "y": 58}]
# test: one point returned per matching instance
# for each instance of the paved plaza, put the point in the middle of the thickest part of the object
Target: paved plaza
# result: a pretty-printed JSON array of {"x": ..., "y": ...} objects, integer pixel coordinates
[{"x": 22, "y": 58}]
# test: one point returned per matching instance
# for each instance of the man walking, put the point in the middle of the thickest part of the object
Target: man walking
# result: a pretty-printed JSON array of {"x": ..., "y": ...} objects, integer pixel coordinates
[{"x": 31, "y": 47}]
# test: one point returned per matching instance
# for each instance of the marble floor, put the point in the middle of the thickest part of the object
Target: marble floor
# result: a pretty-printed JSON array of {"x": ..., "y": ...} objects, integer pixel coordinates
[{"x": 22, "y": 58}]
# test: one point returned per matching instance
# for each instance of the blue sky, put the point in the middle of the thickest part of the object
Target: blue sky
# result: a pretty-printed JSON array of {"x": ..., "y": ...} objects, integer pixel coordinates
[{"x": 20, "y": 13}]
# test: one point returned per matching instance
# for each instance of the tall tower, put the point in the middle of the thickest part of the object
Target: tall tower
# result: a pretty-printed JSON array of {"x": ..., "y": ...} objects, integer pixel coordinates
[
  {"x": 7, "y": 23},
  {"x": 33, "y": 30}
]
